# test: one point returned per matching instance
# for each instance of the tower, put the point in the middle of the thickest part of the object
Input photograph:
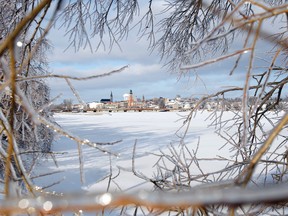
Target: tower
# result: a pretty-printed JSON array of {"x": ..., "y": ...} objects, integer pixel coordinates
[
  {"x": 130, "y": 99},
  {"x": 111, "y": 97}
]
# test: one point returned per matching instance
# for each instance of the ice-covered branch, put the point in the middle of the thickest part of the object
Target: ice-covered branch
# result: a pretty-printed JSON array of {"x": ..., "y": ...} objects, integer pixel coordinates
[
  {"x": 194, "y": 199},
  {"x": 73, "y": 77}
]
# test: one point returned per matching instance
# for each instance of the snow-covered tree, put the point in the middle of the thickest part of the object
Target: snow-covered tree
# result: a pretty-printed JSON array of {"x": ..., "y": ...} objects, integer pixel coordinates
[{"x": 24, "y": 100}]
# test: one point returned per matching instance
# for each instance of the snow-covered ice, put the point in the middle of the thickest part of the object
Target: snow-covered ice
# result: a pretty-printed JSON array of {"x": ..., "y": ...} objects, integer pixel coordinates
[
  {"x": 151, "y": 130},
  {"x": 154, "y": 132}
]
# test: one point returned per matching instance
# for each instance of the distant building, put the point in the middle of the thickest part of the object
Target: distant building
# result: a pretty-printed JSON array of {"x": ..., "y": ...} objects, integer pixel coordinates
[
  {"x": 174, "y": 104},
  {"x": 95, "y": 105},
  {"x": 125, "y": 97},
  {"x": 111, "y": 97},
  {"x": 105, "y": 101},
  {"x": 130, "y": 99},
  {"x": 79, "y": 107}
]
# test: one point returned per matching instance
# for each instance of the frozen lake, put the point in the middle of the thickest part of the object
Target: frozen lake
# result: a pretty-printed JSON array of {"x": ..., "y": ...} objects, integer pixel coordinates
[{"x": 153, "y": 131}]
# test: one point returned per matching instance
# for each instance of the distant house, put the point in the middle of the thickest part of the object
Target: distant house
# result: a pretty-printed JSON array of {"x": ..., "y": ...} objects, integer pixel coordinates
[
  {"x": 174, "y": 104},
  {"x": 187, "y": 106},
  {"x": 95, "y": 105},
  {"x": 79, "y": 108}
]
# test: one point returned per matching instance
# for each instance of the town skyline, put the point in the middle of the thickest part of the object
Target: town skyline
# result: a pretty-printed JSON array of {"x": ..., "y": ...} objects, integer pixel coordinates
[{"x": 147, "y": 73}]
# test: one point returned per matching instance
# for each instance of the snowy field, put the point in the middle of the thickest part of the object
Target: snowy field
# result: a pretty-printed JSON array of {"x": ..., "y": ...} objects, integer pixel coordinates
[{"x": 153, "y": 131}]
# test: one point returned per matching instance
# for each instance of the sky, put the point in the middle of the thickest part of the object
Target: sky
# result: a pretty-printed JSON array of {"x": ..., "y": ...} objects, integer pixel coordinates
[{"x": 146, "y": 74}]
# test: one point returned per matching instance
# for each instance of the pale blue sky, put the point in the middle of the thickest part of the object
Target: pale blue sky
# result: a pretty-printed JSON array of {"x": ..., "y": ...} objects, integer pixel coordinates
[{"x": 145, "y": 75}]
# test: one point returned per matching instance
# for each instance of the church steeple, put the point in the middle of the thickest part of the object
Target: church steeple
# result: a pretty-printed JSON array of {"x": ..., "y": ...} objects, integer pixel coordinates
[{"x": 111, "y": 97}]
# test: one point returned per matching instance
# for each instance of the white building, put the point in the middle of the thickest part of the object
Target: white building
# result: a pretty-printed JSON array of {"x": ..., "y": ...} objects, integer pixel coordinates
[{"x": 95, "y": 105}]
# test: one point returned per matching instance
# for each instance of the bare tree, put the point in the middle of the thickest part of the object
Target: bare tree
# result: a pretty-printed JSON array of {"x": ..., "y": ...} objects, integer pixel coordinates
[
  {"x": 67, "y": 104},
  {"x": 23, "y": 137}
]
